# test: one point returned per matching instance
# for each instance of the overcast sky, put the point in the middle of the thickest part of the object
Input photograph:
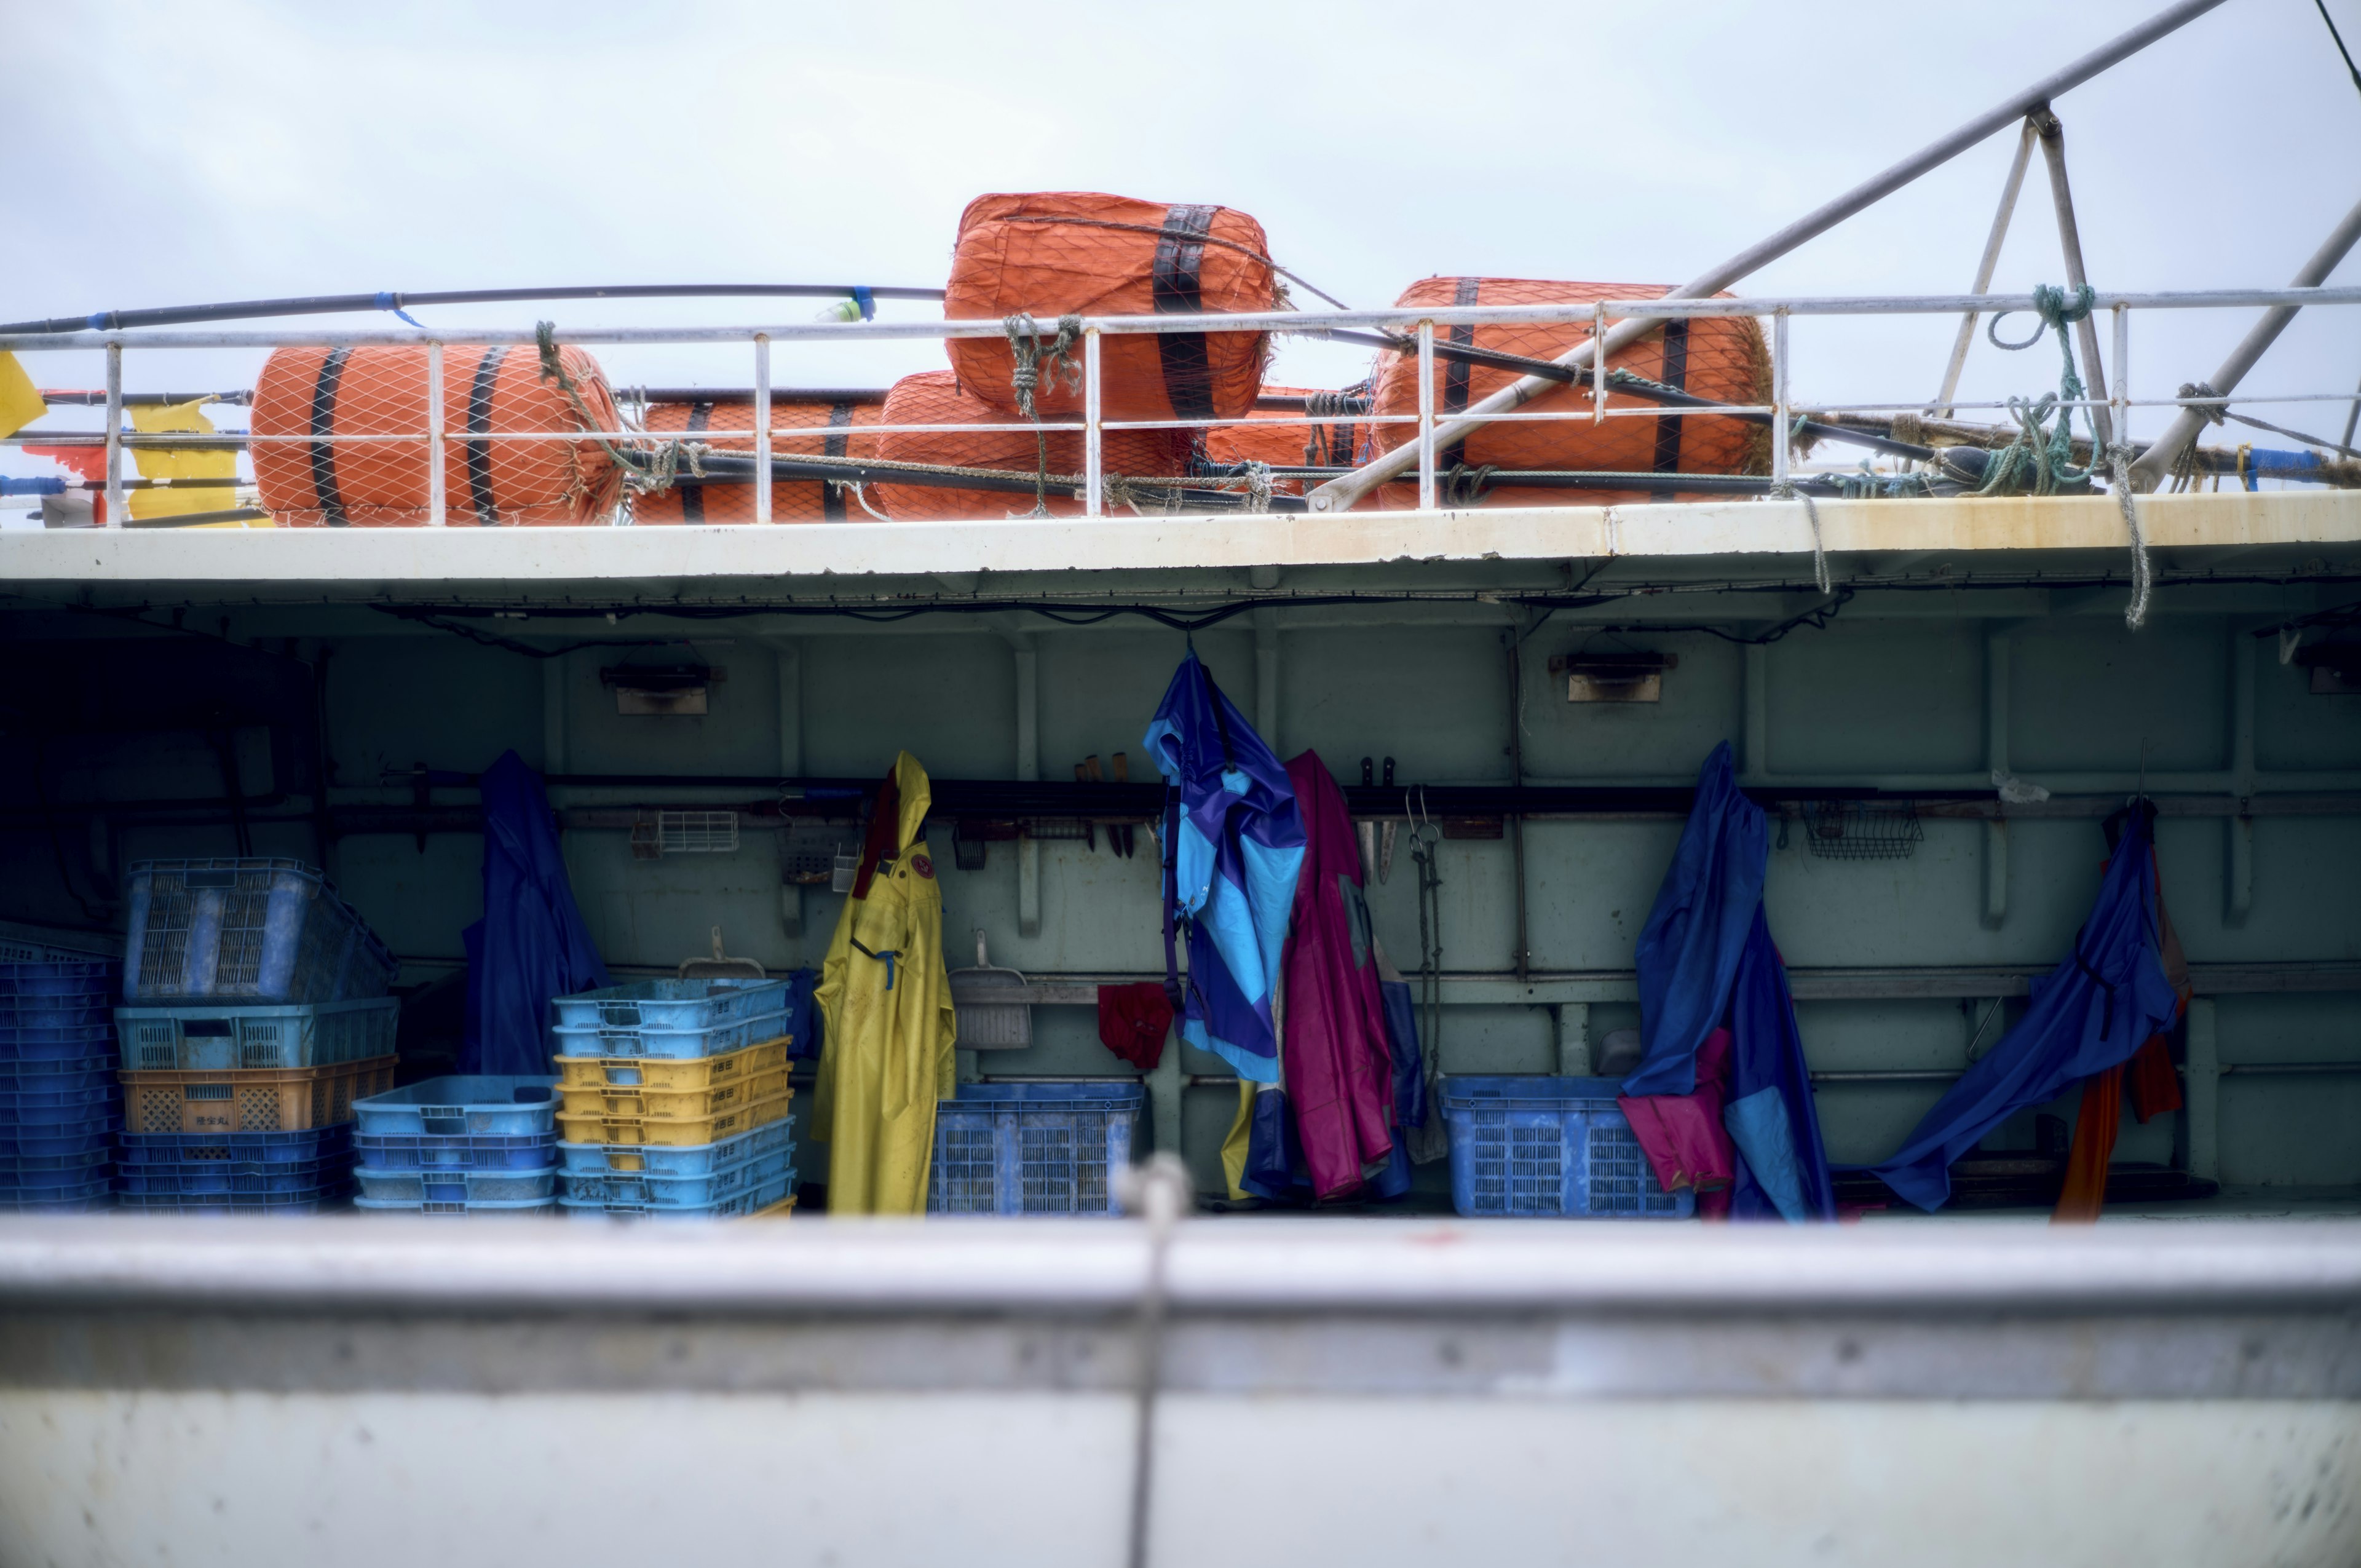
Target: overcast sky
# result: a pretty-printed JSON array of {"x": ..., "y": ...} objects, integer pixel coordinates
[{"x": 167, "y": 153}]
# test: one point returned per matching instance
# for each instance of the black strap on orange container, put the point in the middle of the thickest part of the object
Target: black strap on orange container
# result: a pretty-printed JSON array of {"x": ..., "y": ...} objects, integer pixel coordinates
[
  {"x": 1454, "y": 371},
  {"x": 1178, "y": 289},
  {"x": 324, "y": 422},
  {"x": 479, "y": 422},
  {"x": 1675, "y": 375}
]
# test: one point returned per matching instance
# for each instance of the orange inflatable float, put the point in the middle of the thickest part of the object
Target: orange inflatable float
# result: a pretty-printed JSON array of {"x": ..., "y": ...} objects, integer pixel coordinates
[
  {"x": 1064, "y": 253},
  {"x": 1720, "y": 357},
  {"x": 313, "y": 392},
  {"x": 792, "y": 500},
  {"x": 936, "y": 397}
]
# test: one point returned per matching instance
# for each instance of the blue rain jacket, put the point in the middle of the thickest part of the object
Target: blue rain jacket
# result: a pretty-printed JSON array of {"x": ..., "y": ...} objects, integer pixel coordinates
[
  {"x": 2089, "y": 1013},
  {"x": 1233, "y": 846},
  {"x": 530, "y": 945},
  {"x": 1705, "y": 958}
]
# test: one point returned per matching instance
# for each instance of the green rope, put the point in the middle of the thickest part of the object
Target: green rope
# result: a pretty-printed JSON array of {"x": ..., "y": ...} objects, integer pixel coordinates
[
  {"x": 654, "y": 472},
  {"x": 1031, "y": 352},
  {"x": 2040, "y": 460}
]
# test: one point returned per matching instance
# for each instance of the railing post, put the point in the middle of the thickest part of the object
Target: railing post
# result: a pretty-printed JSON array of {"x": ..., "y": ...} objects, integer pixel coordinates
[
  {"x": 437, "y": 500},
  {"x": 1427, "y": 416},
  {"x": 1093, "y": 440},
  {"x": 2122, "y": 400},
  {"x": 1599, "y": 362},
  {"x": 1780, "y": 422},
  {"x": 114, "y": 435},
  {"x": 762, "y": 427}
]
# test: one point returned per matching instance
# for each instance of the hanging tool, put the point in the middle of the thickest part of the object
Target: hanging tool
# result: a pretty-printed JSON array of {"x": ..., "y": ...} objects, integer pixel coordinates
[
  {"x": 1365, "y": 829},
  {"x": 1385, "y": 833},
  {"x": 1090, "y": 829},
  {"x": 1124, "y": 834}
]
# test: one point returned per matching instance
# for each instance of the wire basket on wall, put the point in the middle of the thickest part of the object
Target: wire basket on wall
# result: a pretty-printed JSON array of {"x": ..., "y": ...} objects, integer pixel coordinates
[{"x": 1862, "y": 830}]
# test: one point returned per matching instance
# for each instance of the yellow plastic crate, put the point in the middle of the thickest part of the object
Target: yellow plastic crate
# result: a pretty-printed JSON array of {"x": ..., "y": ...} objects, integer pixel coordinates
[
  {"x": 600, "y": 1127},
  {"x": 671, "y": 1104},
  {"x": 778, "y": 1211},
  {"x": 671, "y": 1072},
  {"x": 250, "y": 1100}
]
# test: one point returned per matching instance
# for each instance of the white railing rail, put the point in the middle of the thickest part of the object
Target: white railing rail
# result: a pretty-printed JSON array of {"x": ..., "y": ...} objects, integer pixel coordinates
[{"x": 1417, "y": 324}]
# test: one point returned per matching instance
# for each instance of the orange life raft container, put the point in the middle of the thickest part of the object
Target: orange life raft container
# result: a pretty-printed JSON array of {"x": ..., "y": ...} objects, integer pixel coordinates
[
  {"x": 1064, "y": 253},
  {"x": 313, "y": 392},
  {"x": 937, "y": 397},
  {"x": 792, "y": 500},
  {"x": 1720, "y": 357}
]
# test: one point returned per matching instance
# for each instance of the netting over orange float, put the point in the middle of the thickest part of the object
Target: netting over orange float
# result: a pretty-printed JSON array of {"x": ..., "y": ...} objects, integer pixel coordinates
[
  {"x": 1285, "y": 438},
  {"x": 1061, "y": 253},
  {"x": 792, "y": 500},
  {"x": 314, "y": 392},
  {"x": 936, "y": 397},
  {"x": 1720, "y": 357}
]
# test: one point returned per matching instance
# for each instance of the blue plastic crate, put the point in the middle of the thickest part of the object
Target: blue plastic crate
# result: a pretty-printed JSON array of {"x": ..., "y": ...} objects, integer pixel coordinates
[
  {"x": 21, "y": 1165},
  {"x": 240, "y": 1149},
  {"x": 1550, "y": 1148},
  {"x": 305, "y": 1179},
  {"x": 253, "y": 929},
  {"x": 746, "y": 1201},
  {"x": 213, "y": 1037},
  {"x": 470, "y": 1187},
  {"x": 79, "y": 1105},
  {"x": 90, "y": 1200},
  {"x": 674, "y": 1159},
  {"x": 61, "y": 980},
  {"x": 55, "y": 1075},
  {"x": 236, "y": 1204},
  {"x": 531, "y": 1152},
  {"x": 676, "y": 1044},
  {"x": 19, "y": 1184},
  {"x": 1032, "y": 1149},
  {"x": 639, "y": 1190},
  {"x": 70, "y": 1187},
  {"x": 65, "y": 1139},
  {"x": 54, "y": 1013},
  {"x": 489, "y": 1208},
  {"x": 462, "y": 1107},
  {"x": 671, "y": 1005}
]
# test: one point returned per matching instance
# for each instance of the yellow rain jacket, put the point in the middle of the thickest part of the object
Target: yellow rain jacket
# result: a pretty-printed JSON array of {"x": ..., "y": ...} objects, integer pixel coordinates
[{"x": 886, "y": 1056}]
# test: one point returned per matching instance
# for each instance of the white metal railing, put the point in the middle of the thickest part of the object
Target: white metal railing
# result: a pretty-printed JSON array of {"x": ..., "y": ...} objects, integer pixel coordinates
[{"x": 1418, "y": 321}]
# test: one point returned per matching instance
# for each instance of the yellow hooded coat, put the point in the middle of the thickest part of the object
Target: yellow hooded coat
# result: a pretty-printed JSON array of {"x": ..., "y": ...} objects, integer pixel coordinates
[{"x": 887, "y": 1054}]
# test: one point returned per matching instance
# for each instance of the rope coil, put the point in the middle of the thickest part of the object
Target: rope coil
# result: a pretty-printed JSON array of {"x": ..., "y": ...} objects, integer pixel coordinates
[{"x": 1030, "y": 353}]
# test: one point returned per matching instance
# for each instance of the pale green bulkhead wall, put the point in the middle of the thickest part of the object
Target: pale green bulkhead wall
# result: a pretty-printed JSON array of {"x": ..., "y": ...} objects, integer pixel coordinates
[{"x": 1860, "y": 699}]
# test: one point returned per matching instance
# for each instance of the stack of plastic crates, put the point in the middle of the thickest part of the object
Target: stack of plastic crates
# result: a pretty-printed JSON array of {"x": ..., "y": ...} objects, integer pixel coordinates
[
  {"x": 676, "y": 1100},
  {"x": 1032, "y": 1149},
  {"x": 475, "y": 1144},
  {"x": 61, "y": 1108},
  {"x": 253, "y": 1016}
]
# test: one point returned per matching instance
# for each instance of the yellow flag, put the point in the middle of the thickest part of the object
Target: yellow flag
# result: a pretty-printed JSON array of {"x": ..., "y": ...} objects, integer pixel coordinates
[
  {"x": 20, "y": 401},
  {"x": 183, "y": 419}
]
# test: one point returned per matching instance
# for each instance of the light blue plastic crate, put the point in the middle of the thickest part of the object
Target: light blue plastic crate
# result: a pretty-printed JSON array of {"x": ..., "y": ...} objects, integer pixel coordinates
[
  {"x": 211, "y": 1037},
  {"x": 488, "y": 1208},
  {"x": 461, "y": 1107},
  {"x": 675, "y": 1005},
  {"x": 748, "y": 1201},
  {"x": 538, "y": 1152},
  {"x": 718, "y": 1040},
  {"x": 1032, "y": 1149},
  {"x": 674, "y": 1159},
  {"x": 1550, "y": 1148},
  {"x": 642, "y": 1189},
  {"x": 58, "y": 980},
  {"x": 250, "y": 929},
  {"x": 467, "y": 1187}
]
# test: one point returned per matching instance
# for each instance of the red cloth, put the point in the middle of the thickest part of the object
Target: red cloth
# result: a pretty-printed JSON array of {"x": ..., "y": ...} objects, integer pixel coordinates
[
  {"x": 1339, "y": 1065},
  {"x": 1682, "y": 1135},
  {"x": 1133, "y": 1022}
]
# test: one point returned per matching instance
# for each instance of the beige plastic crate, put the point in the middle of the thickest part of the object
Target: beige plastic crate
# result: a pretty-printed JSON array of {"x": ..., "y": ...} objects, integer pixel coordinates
[{"x": 256, "y": 1100}]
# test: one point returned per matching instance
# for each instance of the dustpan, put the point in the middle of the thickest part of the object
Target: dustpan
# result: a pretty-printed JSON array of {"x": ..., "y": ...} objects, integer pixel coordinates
[{"x": 987, "y": 1026}]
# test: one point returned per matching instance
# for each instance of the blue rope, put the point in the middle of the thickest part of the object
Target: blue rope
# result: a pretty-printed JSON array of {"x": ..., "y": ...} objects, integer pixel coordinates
[{"x": 390, "y": 301}]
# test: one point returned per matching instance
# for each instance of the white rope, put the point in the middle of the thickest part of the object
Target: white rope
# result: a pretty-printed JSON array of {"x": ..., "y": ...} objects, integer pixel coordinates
[
  {"x": 1159, "y": 1192},
  {"x": 2119, "y": 456},
  {"x": 1819, "y": 556}
]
